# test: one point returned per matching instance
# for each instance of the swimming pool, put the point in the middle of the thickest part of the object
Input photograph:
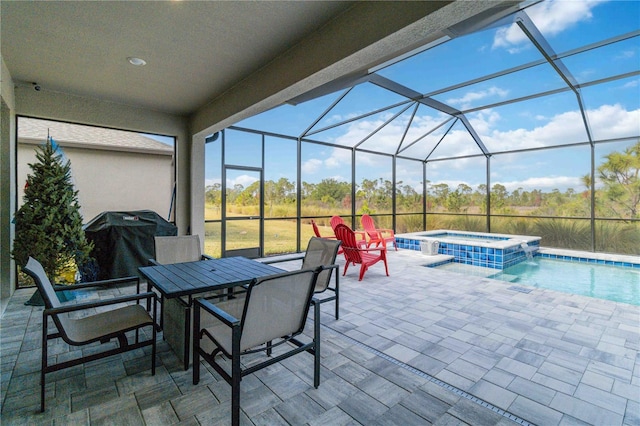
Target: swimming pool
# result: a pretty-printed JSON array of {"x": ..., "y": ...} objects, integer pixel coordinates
[{"x": 619, "y": 284}]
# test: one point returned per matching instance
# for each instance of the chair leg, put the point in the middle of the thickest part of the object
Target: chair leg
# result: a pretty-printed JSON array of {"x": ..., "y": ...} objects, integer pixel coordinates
[
  {"x": 196, "y": 344},
  {"x": 386, "y": 268},
  {"x": 43, "y": 367},
  {"x": 154, "y": 334},
  {"x": 187, "y": 335},
  {"x": 363, "y": 269},
  {"x": 337, "y": 295},
  {"x": 316, "y": 345},
  {"x": 236, "y": 374}
]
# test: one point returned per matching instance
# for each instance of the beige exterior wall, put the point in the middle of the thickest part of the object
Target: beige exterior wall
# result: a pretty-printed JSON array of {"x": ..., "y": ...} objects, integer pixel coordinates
[
  {"x": 111, "y": 180},
  {"x": 7, "y": 179},
  {"x": 80, "y": 110}
]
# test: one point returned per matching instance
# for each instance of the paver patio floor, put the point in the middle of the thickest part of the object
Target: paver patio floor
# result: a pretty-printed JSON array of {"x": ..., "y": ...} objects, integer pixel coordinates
[{"x": 422, "y": 346}]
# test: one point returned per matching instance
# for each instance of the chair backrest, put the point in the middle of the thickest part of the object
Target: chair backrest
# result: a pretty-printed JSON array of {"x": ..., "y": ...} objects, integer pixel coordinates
[
  {"x": 335, "y": 221},
  {"x": 316, "y": 231},
  {"x": 35, "y": 270},
  {"x": 183, "y": 248},
  {"x": 276, "y": 306},
  {"x": 350, "y": 247},
  {"x": 321, "y": 252},
  {"x": 369, "y": 226}
]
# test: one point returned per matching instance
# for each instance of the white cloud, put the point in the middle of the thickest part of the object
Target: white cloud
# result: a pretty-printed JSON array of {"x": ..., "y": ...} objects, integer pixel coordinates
[
  {"x": 244, "y": 180},
  {"x": 469, "y": 97},
  {"x": 551, "y": 18},
  {"x": 545, "y": 184},
  {"x": 627, "y": 54},
  {"x": 607, "y": 121},
  {"x": 613, "y": 121},
  {"x": 339, "y": 158},
  {"x": 311, "y": 166}
]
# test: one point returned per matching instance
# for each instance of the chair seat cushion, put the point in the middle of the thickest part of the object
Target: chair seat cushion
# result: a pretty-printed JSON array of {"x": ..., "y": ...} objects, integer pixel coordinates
[{"x": 105, "y": 324}]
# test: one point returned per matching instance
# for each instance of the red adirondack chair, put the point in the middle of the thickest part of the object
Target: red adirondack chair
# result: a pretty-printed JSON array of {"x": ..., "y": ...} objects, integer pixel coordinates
[
  {"x": 316, "y": 231},
  {"x": 355, "y": 254},
  {"x": 361, "y": 236},
  {"x": 335, "y": 221},
  {"x": 377, "y": 236}
]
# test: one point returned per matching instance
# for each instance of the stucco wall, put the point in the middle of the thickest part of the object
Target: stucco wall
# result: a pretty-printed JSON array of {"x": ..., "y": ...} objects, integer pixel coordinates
[
  {"x": 111, "y": 180},
  {"x": 75, "y": 109},
  {"x": 7, "y": 173}
]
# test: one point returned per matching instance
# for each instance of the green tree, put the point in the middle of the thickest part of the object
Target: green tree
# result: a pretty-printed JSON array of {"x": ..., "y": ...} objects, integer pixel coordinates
[
  {"x": 441, "y": 192},
  {"x": 620, "y": 174},
  {"x": 49, "y": 223},
  {"x": 454, "y": 201},
  {"x": 331, "y": 190}
]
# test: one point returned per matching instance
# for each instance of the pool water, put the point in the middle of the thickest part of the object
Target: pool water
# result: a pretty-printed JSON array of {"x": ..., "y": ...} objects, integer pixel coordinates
[{"x": 587, "y": 279}]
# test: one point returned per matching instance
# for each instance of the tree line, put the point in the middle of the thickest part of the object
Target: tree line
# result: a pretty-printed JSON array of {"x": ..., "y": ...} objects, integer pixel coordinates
[{"x": 617, "y": 194}]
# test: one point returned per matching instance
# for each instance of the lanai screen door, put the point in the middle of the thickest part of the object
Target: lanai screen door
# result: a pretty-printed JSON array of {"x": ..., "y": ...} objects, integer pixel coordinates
[{"x": 242, "y": 211}]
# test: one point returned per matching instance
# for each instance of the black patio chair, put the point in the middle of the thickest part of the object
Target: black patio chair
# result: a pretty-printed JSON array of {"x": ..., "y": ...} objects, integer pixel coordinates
[
  {"x": 100, "y": 327},
  {"x": 272, "y": 312},
  {"x": 322, "y": 252},
  {"x": 175, "y": 314}
]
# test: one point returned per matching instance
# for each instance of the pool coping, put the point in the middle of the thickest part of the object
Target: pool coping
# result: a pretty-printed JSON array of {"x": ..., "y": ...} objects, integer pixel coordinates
[
  {"x": 500, "y": 241},
  {"x": 626, "y": 261}
]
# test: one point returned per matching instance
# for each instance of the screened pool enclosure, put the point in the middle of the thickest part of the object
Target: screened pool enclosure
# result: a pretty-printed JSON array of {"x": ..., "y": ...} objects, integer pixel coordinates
[{"x": 528, "y": 124}]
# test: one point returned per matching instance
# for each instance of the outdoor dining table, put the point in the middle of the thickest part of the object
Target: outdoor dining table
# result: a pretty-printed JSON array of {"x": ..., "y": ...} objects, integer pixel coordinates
[{"x": 193, "y": 279}]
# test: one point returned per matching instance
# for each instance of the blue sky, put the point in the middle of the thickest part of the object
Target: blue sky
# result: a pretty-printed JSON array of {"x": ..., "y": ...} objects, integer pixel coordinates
[{"x": 612, "y": 109}]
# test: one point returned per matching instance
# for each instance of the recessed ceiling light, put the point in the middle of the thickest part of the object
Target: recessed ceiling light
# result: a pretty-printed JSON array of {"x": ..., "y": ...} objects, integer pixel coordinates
[{"x": 136, "y": 61}]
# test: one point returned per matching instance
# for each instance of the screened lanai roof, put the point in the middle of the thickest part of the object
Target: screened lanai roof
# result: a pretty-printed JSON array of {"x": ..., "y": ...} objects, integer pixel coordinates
[{"x": 553, "y": 73}]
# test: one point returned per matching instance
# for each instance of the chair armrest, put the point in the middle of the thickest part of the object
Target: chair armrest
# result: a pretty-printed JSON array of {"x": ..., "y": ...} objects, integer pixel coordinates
[
  {"x": 385, "y": 230},
  {"x": 101, "y": 283},
  {"x": 223, "y": 316},
  {"x": 88, "y": 305},
  {"x": 334, "y": 266},
  {"x": 382, "y": 249},
  {"x": 279, "y": 259}
]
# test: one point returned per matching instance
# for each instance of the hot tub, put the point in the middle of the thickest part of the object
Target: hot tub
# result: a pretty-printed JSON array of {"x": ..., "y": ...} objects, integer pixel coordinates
[{"x": 496, "y": 251}]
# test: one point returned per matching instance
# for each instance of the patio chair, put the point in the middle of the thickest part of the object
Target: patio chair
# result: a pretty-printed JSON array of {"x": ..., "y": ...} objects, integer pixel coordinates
[
  {"x": 377, "y": 236},
  {"x": 335, "y": 221},
  {"x": 175, "y": 315},
  {"x": 354, "y": 254},
  {"x": 316, "y": 231},
  {"x": 361, "y": 236},
  {"x": 322, "y": 252},
  {"x": 272, "y": 312},
  {"x": 100, "y": 327},
  {"x": 175, "y": 249}
]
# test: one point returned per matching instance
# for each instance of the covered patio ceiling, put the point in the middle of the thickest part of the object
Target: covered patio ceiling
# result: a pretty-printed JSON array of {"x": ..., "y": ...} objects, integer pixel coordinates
[{"x": 213, "y": 62}]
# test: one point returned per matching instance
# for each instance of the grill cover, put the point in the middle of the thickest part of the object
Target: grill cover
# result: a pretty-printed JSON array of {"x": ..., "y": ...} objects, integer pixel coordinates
[{"x": 123, "y": 241}]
